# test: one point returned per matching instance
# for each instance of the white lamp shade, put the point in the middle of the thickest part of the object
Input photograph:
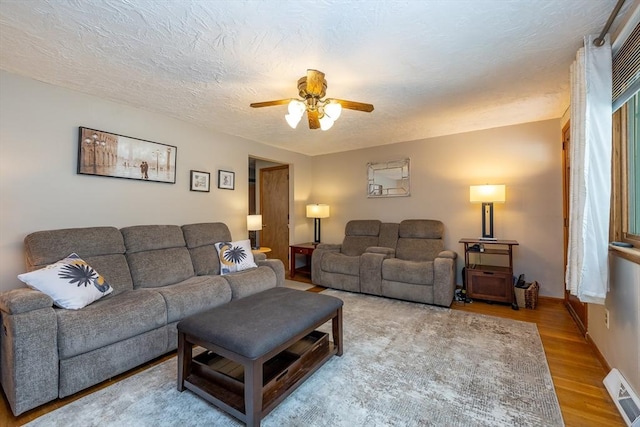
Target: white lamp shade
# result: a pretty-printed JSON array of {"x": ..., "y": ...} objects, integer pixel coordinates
[
  {"x": 254, "y": 222},
  {"x": 292, "y": 120},
  {"x": 325, "y": 122},
  {"x": 296, "y": 108},
  {"x": 487, "y": 193},
  {"x": 333, "y": 110},
  {"x": 317, "y": 211}
]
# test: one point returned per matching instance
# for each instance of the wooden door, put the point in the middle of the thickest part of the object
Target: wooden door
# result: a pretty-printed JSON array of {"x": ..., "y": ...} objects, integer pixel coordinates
[
  {"x": 577, "y": 308},
  {"x": 274, "y": 207}
]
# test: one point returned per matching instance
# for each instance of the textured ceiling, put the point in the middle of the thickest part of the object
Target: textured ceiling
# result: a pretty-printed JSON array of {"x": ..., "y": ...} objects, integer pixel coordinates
[{"x": 429, "y": 67}]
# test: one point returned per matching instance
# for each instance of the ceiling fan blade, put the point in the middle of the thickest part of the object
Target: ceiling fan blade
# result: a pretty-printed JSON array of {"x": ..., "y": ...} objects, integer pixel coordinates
[
  {"x": 314, "y": 121},
  {"x": 316, "y": 83},
  {"x": 353, "y": 105},
  {"x": 270, "y": 103}
]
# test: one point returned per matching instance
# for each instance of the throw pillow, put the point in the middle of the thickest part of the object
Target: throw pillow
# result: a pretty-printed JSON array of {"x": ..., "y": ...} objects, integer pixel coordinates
[
  {"x": 235, "y": 256},
  {"x": 70, "y": 282}
]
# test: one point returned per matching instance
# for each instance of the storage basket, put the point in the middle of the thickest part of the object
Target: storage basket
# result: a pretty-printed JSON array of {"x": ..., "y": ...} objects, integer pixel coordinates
[{"x": 527, "y": 297}]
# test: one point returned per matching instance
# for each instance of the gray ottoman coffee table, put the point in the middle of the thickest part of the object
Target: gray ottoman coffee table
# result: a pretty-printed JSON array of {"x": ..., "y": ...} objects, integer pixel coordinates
[{"x": 259, "y": 349}]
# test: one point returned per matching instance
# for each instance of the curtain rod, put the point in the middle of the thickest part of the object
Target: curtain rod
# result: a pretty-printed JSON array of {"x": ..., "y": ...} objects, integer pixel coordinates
[{"x": 600, "y": 40}]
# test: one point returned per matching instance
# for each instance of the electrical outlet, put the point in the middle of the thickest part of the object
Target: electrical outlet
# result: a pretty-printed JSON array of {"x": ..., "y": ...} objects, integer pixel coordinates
[{"x": 606, "y": 318}]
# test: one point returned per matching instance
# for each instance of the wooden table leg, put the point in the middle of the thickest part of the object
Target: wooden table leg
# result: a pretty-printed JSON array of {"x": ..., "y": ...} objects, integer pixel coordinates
[
  {"x": 253, "y": 393},
  {"x": 185, "y": 354},
  {"x": 336, "y": 324}
]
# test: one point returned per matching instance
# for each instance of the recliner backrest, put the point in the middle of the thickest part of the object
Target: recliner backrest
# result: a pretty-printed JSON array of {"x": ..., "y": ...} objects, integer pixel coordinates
[
  {"x": 420, "y": 239},
  {"x": 201, "y": 239},
  {"x": 359, "y": 235},
  {"x": 157, "y": 255},
  {"x": 101, "y": 247}
]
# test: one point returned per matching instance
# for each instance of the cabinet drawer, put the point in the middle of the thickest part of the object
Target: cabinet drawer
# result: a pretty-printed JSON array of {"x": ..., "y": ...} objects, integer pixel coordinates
[
  {"x": 490, "y": 285},
  {"x": 303, "y": 251}
]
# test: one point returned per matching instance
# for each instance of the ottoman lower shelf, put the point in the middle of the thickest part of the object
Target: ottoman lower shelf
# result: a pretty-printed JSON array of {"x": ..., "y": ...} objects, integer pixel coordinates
[{"x": 224, "y": 380}]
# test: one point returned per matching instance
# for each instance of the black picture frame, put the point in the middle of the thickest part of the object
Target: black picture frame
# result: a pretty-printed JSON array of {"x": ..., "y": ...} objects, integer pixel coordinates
[
  {"x": 226, "y": 180},
  {"x": 200, "y": 181},
  {"x": 118, "y": 156}
]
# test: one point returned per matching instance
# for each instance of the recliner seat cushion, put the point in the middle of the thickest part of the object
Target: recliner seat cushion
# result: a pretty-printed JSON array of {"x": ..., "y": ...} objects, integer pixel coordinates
[
  {"x": 417, "y": 273},
  {"x": 334, "y": 262},
  {"x": 109, "y": 320}
]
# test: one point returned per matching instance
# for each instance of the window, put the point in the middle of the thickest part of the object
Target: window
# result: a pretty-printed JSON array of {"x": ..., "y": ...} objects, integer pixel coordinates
[
  {"x": 633, "y": 156},
  {"x": 625, "y": 212}
]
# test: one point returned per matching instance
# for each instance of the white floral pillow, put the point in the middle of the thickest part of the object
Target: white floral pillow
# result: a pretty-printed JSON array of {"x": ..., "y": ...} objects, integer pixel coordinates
[
  {"x": 235, "y": 256},
  {"x": 71, "y": 282}
]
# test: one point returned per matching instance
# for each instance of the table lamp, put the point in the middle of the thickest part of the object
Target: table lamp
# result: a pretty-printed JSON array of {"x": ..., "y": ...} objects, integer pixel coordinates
[
  {"x": 254, "y": 223},
  {"x": 487, "y": 195},
  {"x": 316, "y": 212}
]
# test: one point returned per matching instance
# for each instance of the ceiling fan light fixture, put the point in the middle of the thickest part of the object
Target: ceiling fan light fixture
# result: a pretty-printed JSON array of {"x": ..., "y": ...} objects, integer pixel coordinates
[
  {"x": 297, "y": 108},
  {"x": 326, "y": 122},
  {"x": 292, "y": 120},
  {"x": 333, "y": 109}
]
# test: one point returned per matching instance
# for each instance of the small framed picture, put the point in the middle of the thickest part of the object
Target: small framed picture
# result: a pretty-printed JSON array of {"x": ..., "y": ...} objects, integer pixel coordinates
[
  {"x": 226, "y": 180},
  {"x": 200, "y": 181}
]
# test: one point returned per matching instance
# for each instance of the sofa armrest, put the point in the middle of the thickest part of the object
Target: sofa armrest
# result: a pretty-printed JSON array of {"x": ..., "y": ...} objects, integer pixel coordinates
[
  {"x": 316, "y": 260},
  {"x": 28, "y": 349},
  {"x": 444, "y": 280},
  {"x": 389, "y": 252},
  {"x": 276, "y": 265},
  {"x": 259, "y": 257},
  {"x": 371, "y": 271},
  {"x": 22, "y": 300},
  {"x": 448, "y": 254}
]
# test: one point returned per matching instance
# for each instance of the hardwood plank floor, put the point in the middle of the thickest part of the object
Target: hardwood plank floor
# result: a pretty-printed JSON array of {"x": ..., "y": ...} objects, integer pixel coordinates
[{"x": 577, "y": 374}]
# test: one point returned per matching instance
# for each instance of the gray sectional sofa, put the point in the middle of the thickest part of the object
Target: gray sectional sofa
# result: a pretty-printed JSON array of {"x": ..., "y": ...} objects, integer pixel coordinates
[
  {"x": 404, "y": 261},
  {"x": 160, "y": 274}
]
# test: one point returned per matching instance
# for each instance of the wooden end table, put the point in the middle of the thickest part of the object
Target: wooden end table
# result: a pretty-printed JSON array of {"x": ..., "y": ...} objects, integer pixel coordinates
[{"x": 305, "y": 249}]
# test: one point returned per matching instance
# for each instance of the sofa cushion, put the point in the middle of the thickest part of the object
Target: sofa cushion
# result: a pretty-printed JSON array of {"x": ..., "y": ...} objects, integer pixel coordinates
[
  {"x": 339, "y": 263},
  {"x": 201, "y": 239},
  {"x": 359, "y": 235},
  {"x": 397, "y": 270},
  {"x": 420, "y": 239},
  {"x": 235, "y": 256},
  {"x": 101, "y": 247},
  {"x": 70, "y": 282},
  {"x": 157, "y": 255},
  {"x": 249, "y": 282},
  {"x": 194, "y": 295},
  {"x": 112, "y": 319},
  {"x": 163, "y": 267}
]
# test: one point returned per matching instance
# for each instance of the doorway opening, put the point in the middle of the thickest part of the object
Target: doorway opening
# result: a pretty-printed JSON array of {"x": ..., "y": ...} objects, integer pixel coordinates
[{"x": 269, "y": 197}]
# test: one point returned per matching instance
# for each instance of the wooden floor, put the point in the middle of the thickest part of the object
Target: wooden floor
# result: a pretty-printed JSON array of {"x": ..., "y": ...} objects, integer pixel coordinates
[{"x": 577, "y": 374}]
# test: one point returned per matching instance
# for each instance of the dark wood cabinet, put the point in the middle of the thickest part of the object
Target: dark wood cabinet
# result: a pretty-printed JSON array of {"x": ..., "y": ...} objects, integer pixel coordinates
[
  {"x": 489, "y": 269},
  {"x": 304, "y": 249}
]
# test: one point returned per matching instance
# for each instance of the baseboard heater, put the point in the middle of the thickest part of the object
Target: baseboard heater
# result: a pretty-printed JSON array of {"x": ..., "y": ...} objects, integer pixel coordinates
[{"x": 624, "y": 397}]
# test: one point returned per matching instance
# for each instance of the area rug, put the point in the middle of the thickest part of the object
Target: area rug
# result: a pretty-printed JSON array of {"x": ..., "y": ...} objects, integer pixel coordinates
[{"x": 404, "y": 364}]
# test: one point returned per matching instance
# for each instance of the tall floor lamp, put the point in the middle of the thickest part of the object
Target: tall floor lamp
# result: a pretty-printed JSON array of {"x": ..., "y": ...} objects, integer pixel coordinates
[
  {"x": 487, "y": 195},
  {"x": 316, "y": 212},
  {"x": 254, "y": 223}
]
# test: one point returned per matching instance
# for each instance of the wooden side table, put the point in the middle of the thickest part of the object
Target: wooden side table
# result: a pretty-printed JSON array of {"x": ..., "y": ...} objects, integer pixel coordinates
[
  {"x": 305, "y": 249},
  {"x": 261, "y": 250},
  {"x": 487, "y": 278}
]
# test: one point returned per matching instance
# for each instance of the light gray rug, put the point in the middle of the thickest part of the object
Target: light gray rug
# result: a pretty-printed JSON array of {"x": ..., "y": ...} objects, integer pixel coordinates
[{"x": 404, "y": 364}]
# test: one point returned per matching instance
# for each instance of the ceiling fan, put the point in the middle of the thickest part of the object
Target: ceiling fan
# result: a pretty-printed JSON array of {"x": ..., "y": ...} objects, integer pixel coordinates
[{"x": 321, "y": 113}]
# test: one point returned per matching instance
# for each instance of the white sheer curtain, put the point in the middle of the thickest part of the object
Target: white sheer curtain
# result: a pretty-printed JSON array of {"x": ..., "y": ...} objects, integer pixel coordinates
[{"x": 590, "y": 180}]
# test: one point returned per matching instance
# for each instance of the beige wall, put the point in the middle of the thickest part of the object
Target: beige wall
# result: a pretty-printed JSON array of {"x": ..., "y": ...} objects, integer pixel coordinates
[
  {"x": 40, "y": 190},
  {"x": 527, "y": 158},
  {"x": 620, "y": 342}
]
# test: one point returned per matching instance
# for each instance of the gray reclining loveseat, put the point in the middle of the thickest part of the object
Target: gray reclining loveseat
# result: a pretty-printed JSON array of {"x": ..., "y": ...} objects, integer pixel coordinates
[
  {"x": 404, "y": 261},
  {"x": 160, "y": 274}
]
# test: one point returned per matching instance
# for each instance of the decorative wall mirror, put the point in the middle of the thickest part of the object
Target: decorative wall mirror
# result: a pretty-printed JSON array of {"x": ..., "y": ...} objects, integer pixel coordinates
[{"x": 388, "y": 179}]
